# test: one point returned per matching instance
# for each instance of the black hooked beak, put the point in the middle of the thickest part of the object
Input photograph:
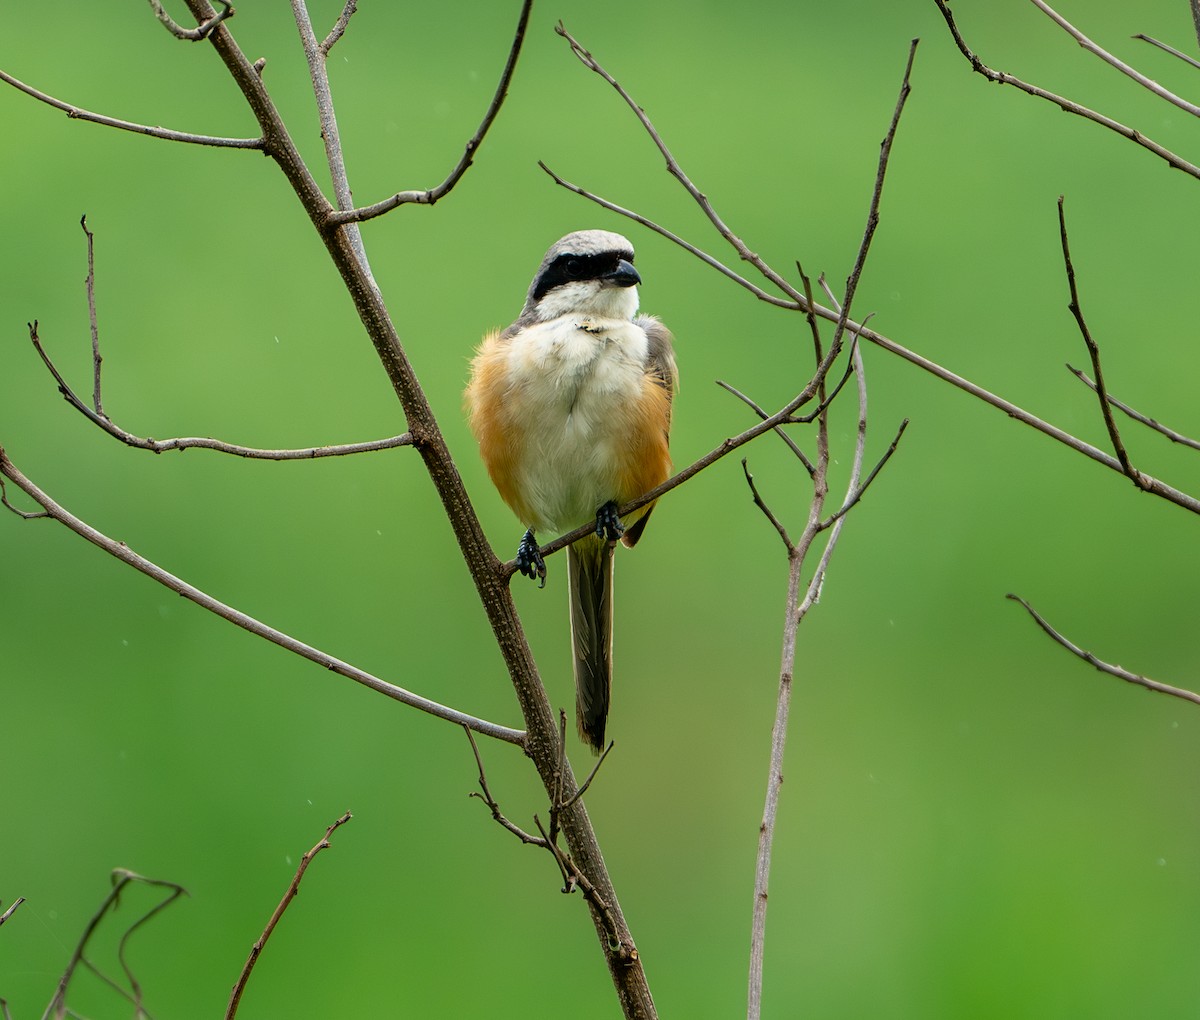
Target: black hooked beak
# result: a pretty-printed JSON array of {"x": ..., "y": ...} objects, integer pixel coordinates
[{"x": 624, "y": 275}]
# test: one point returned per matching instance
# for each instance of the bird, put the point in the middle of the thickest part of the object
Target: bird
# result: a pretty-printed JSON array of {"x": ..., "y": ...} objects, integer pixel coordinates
[{"x": 571, "y": 406}]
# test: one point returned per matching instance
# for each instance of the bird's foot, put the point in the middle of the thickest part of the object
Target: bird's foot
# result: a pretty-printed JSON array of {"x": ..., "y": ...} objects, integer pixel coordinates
[
  {"x": 529, "y": 559},
  {"x": 608, "y": 524}
]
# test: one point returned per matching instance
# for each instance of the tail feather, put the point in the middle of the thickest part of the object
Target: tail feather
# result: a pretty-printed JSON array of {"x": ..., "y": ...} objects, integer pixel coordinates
[{"x": 590, "y": 582}]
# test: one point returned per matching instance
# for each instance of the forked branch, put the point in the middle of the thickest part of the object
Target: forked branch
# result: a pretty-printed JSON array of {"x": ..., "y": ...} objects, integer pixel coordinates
[{"x": 1067, "y": 105}]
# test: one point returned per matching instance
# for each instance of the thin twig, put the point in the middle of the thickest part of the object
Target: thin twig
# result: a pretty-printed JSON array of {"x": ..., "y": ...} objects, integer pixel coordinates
[
  {"x": 90, "y": 287},
  {"x": 11, "y": 909},
  {"x": 763, "y": 415},
  {"x": 339, "y": 27},
  {"x": 334, "y": 157},
  {"x": 1151, "y": 423},
  {"x": 432, "y": 195},
  {"x": 166, "y": 134},
  {"x": 25, "y": 514},
  {"x": 490, "y": 801},
  {"x": 857, "y": 493},
  {"x": 176, "y": 584},
  {"x": 1093, "y": 348},
  {"x": 676, "y": 171},
  {"x": 1119, "y": 672},
  {"x": 121, "y": 878},
  {"x": 703, "y": 256},
  {"x": 1067, "y": 105},
  {"x": 759, "y": 502},
  {"x": 101, "y": 420},
  {"x": 1170, "y": 49},
  {"x": 192, "y": 34},
  {"x": 293, "y": 888}
]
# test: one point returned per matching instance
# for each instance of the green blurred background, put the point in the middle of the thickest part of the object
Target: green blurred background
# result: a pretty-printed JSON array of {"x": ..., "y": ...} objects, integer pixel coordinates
[{"x": 974, "y": 824}]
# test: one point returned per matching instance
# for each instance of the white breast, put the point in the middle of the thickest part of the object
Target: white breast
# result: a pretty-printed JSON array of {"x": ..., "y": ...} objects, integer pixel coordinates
[{"x": 570, "y": 381}]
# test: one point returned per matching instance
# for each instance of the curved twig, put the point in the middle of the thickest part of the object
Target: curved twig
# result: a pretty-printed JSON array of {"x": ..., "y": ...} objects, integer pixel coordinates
[
  {"x": 293, "y": 889},
  {"x": 166, "y": 134},
  {"x": 101, "y": 420},
  {"x": 1118, "y": 671},
  {"x": 434, "y": 194}
]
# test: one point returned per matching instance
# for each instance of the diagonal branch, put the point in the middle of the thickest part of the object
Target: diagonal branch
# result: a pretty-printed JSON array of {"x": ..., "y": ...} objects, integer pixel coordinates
[
  {"x": 1171, "y": 49},
  {"x": 1142, "y": 419},
  {"x": 434, "y": 194},
  {"x": 339, "y": 27},
  {"x": 1112, "y": 61},
  {"x": 1119, "y": 672},
  {"x": 677, "y": 171},
  {"x": 166, "y": 134},
  {"x": 126, "y": 555},
  {"x": 1067, "y": 105},
  {"x": 293, "y": 890},
  {"x": 1076, "y": 309}
]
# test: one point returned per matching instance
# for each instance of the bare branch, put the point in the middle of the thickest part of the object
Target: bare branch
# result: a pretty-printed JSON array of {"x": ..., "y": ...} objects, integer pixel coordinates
[
  {"x": 339, "y": 27},
  {"x": 767, "y": 511},
  {"x": 166, "y": 134},
  {"x": 1151, "y": 423},
  {"x": 11, "y": 909},
  {"x": 432, "y": 195},
  {"x": 293, "y": 888},
  {"x": 677, "y": 172},
  {"x": 1104, "y": 667},
  {"x": 703, "y": 256},
  {"x": 20, "y": 513},
  {"x": 323, "y": 94},
  {"x": 121, "y": 879},
  {"x": 1171, "y": 49},
  {"x": 763, "y": 415},
  {"x": 1114, "y": 434},
  {"x": 1153, "y": 485},
  {"x": 1112, "y": 61},
  {"x": 198, "y": 442},
  {"x": 1067, "y": 105},
  {"x": 90, "y": 286},
  {"x": 192, "y": 34},
  {"x": 126, "y": 555},
  {"x": 486, "y": 796}
]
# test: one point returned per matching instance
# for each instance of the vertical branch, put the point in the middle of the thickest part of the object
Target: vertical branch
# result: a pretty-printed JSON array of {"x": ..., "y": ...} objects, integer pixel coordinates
[
  {"x": 90, "y": 284},
  {"x": 315, "y": 54}
]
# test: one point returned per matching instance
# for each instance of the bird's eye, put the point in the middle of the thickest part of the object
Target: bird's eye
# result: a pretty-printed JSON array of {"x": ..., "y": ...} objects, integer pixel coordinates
[{"x": 574, "y": 266}]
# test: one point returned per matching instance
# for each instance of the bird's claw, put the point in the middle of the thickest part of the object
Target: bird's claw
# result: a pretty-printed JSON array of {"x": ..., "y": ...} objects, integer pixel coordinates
[
  {"x": 529, "y": 559},
  {"x": 608, "y": 524}
]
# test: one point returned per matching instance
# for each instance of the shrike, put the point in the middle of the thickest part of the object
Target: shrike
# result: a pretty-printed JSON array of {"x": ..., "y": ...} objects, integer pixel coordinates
[{"x": 571, "y": 406}]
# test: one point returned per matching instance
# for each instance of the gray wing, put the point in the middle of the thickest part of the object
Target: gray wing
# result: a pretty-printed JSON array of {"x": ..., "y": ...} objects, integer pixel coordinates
[{"x": 660, "y": 354}]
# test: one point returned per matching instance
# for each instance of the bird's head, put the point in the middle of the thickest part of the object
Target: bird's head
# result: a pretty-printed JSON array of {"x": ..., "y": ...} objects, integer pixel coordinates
[{"x": 588, "y": 273}]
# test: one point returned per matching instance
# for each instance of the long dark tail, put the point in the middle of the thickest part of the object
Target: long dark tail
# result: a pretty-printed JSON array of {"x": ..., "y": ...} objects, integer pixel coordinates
[{"x": 590, "y": 581}]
